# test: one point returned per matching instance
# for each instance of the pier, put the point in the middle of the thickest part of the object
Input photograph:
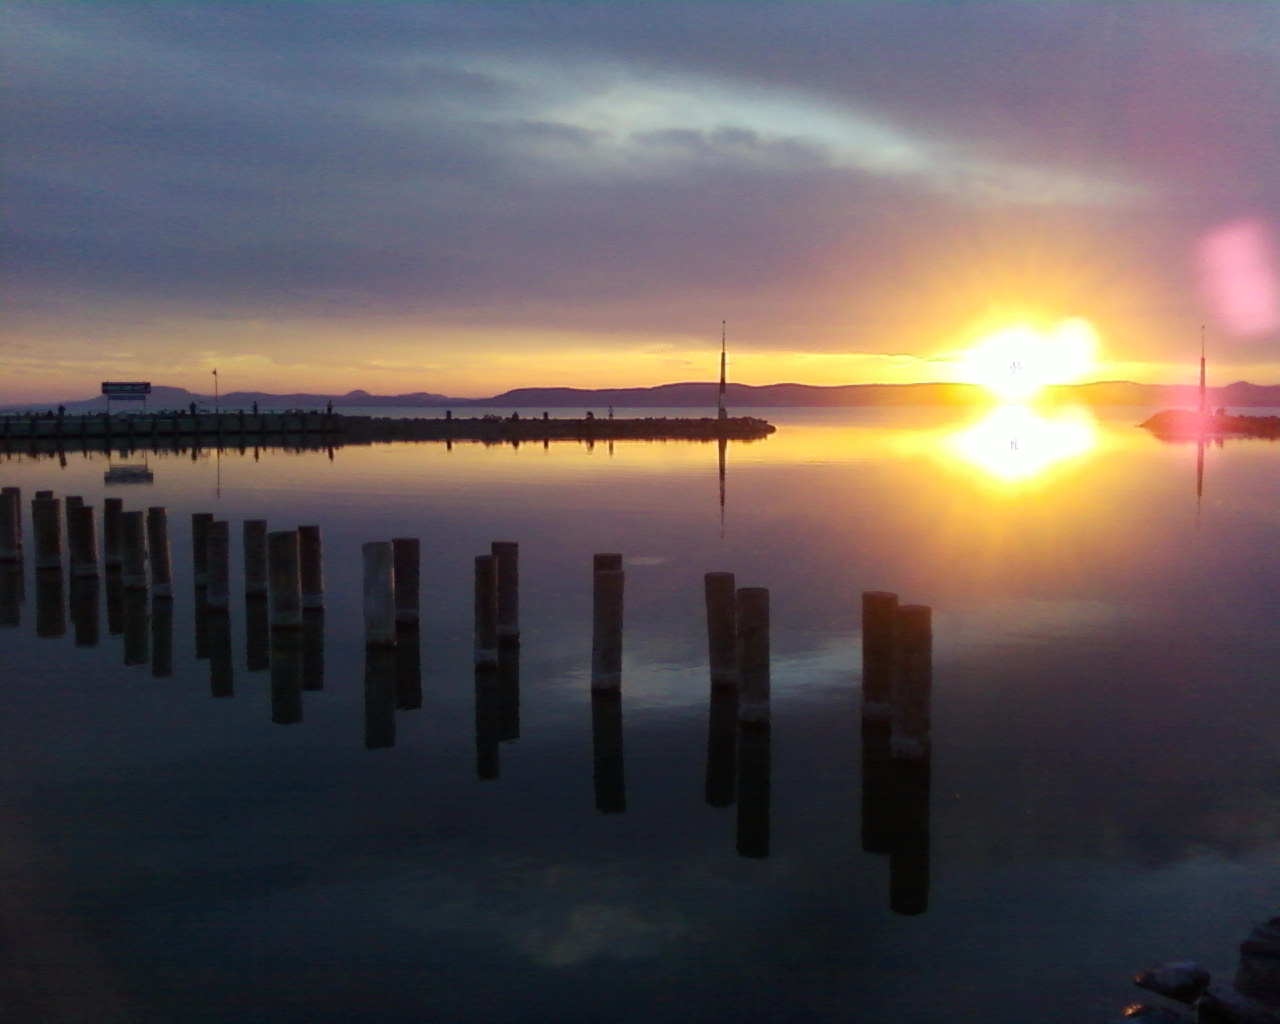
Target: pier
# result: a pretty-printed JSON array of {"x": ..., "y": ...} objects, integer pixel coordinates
[{"x": 103, "y": 432}]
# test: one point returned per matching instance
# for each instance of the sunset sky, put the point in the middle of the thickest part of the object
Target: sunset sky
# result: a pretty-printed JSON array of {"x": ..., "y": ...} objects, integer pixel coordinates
[{"x": 462, "y": 197}]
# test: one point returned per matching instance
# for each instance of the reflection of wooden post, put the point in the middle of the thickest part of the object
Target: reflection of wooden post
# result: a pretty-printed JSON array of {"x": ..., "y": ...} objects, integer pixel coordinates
[
  {"x": 12, "y": 587},
  {"x": 753, "y": 653},
  {"x": 507, "y": 554},
  {"x": 311, "y": 567},
  {"x": 608, "y": 773},
  {"x": 217, "y": 540},
  {"x": 722, "y": 628},
  {"x": 133, "y": 539},
  {"x": 606, "y": 629},
  {"x": 488, "y": 724},
  {"x": 913, "y": 682},
  {"x": 158, "y": 548},
  {"x": 486, "y": 612},
  {"x": 51, "y": 613},
  {"x": 285, "y": 583},
  {"x": 312, "y": 649},
  {"x": 379, "y": 595},
  {"x": 199, "y": 553},
  {"x": 161, "y": 636},
  {"x": 257, "y": 632},
  {"x": 82, "y": 533},
  {"x": 255, "y": 556},
  {"x": 753, "y": 788},
  {"x": 84, "y": 610},
  {"x": 221, "y": 660},
  {"x": 408, "y": 668},
  {"x": 46, "y": 527},
  {"x": 11, "y": 525},
  {"x": 722, "y": 746},
  {"x": 380, "y": 692},
  {"x": 879, "y": 630},
  {"x": 405, "y": 560},
  {"x": 112, "y": 510},
  {"x": 137, "y": 622},
  {"x": 286, "y": 676}
]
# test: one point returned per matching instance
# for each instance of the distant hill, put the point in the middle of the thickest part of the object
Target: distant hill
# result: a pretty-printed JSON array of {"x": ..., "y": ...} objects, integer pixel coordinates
[{"x": 703, "y": 395}]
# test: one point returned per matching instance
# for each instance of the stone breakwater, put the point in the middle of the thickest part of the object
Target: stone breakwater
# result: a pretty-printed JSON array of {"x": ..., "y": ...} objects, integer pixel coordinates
[
  {"x": 1184, "y": 424},
  {"x": 139, "y": 430}
]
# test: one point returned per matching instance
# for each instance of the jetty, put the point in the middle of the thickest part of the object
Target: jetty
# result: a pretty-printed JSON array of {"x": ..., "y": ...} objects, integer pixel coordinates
[
  {"x": 1190, "y": 424},
  {"x": 104, "y": 431}
]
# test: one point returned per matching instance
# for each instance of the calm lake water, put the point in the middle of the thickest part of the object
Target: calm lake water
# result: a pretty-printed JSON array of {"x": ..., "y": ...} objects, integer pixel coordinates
[{"x": 1103, "y": 793}]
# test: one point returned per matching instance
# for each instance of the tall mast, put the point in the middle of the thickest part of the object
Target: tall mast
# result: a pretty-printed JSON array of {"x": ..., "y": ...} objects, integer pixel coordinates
[
  {"x": 1204, "y": 405},
  {"x": 720, "y": 404}
]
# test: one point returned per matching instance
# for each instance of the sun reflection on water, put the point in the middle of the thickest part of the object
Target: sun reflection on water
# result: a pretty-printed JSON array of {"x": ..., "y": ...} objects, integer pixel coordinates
[{"x": 1016, "y": 443}]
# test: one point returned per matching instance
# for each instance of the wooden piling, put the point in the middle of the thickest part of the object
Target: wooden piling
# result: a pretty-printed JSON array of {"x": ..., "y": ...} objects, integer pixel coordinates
[
  {"x": 11, "y": 525},
  {"x": 606, "y": 561},
  {"x": 405, "y": 557},
  {"x": 46, "y": 528},
  {"x": 486, "y": 612},
  {"x": 722, "y": 628},
  {"x": 752, "y": 609},
  {"x": 133, "y": 542},
  {"x": 255, "y": 556},
  {"x": 311, "y": 567},
  {"x": 606, "y": 629},
  {"x": 199, "y": 552},
  {"x": 82, "y": 535},
  {"x": 507, "y": 554},
  {"x": 285, "y": 588},
  {"x": 217, "y": 541},
  {"x": 379, "y": 595},
  {"x": 112, "y": 510},
  {"x": 158, "y": 551}
]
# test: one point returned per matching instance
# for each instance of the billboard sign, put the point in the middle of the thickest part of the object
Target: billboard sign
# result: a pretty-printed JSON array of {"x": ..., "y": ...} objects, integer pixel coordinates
[{"x": 126, "y": 390}]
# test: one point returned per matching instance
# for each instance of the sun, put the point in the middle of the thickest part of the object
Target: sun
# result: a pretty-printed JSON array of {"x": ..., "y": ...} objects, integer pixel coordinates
[{"x": 1017, "y": 361}]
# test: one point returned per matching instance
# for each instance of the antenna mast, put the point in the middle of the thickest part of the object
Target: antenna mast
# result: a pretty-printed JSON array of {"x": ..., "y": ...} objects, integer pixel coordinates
[
  {"x": 1203, "y": 402},
  {"x": 720, "y": 404}
]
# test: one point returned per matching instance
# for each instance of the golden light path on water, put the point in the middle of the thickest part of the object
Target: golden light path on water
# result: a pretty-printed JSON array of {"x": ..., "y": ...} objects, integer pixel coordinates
[{"x": 1016, "y": 443}]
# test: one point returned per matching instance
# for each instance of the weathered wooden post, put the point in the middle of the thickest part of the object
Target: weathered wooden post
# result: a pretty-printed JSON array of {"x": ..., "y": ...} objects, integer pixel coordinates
[
  {"x": 11, "y": 525},
  {"x": 285, "y": 581},
  {"x": 133, "y": 540},
  {"x": 507, "y": 555},
  {"x": 255, "y": 556},
  {"x": 379, "y": 596},
  {"x": 486, "y": 613},
  {"x": 46, "y": 527},
  {"x": 608, "y": 767},
  {"x": 82, "y": 531},
  {"x": 722, "y": 628},
  {"x": 405, "y": 556},
  {"x": 752, "y": 608},
  {"x": 312, "y": 566},
  {"x": 606, "y": 629},
  {"x": 158, "y": 549},
  {"x": 84, "y": 610},
  {"x": 112, "y": 554},
  {"x": 199, "y": 552},
  {"x": 217, "y": 540},
  {"x": 879, "y": 664}
]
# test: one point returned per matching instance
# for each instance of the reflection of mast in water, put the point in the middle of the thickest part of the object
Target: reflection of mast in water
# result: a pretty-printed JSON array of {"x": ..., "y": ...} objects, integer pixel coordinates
[
  {"x": 722, "y": 446},
  {"x": 1199, "y": 474}
]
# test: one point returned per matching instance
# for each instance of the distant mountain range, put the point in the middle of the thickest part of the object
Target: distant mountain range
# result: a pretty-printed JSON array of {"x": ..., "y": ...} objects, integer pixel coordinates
[{"x": 698, "y": 395}]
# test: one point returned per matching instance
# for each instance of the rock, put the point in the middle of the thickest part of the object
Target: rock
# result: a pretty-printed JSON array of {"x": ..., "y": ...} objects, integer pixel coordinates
[
  {"x": 1182, "y": 980},
  {"x": 1259, "y": 973},
  {"x": 1225, "y": 1004}
]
